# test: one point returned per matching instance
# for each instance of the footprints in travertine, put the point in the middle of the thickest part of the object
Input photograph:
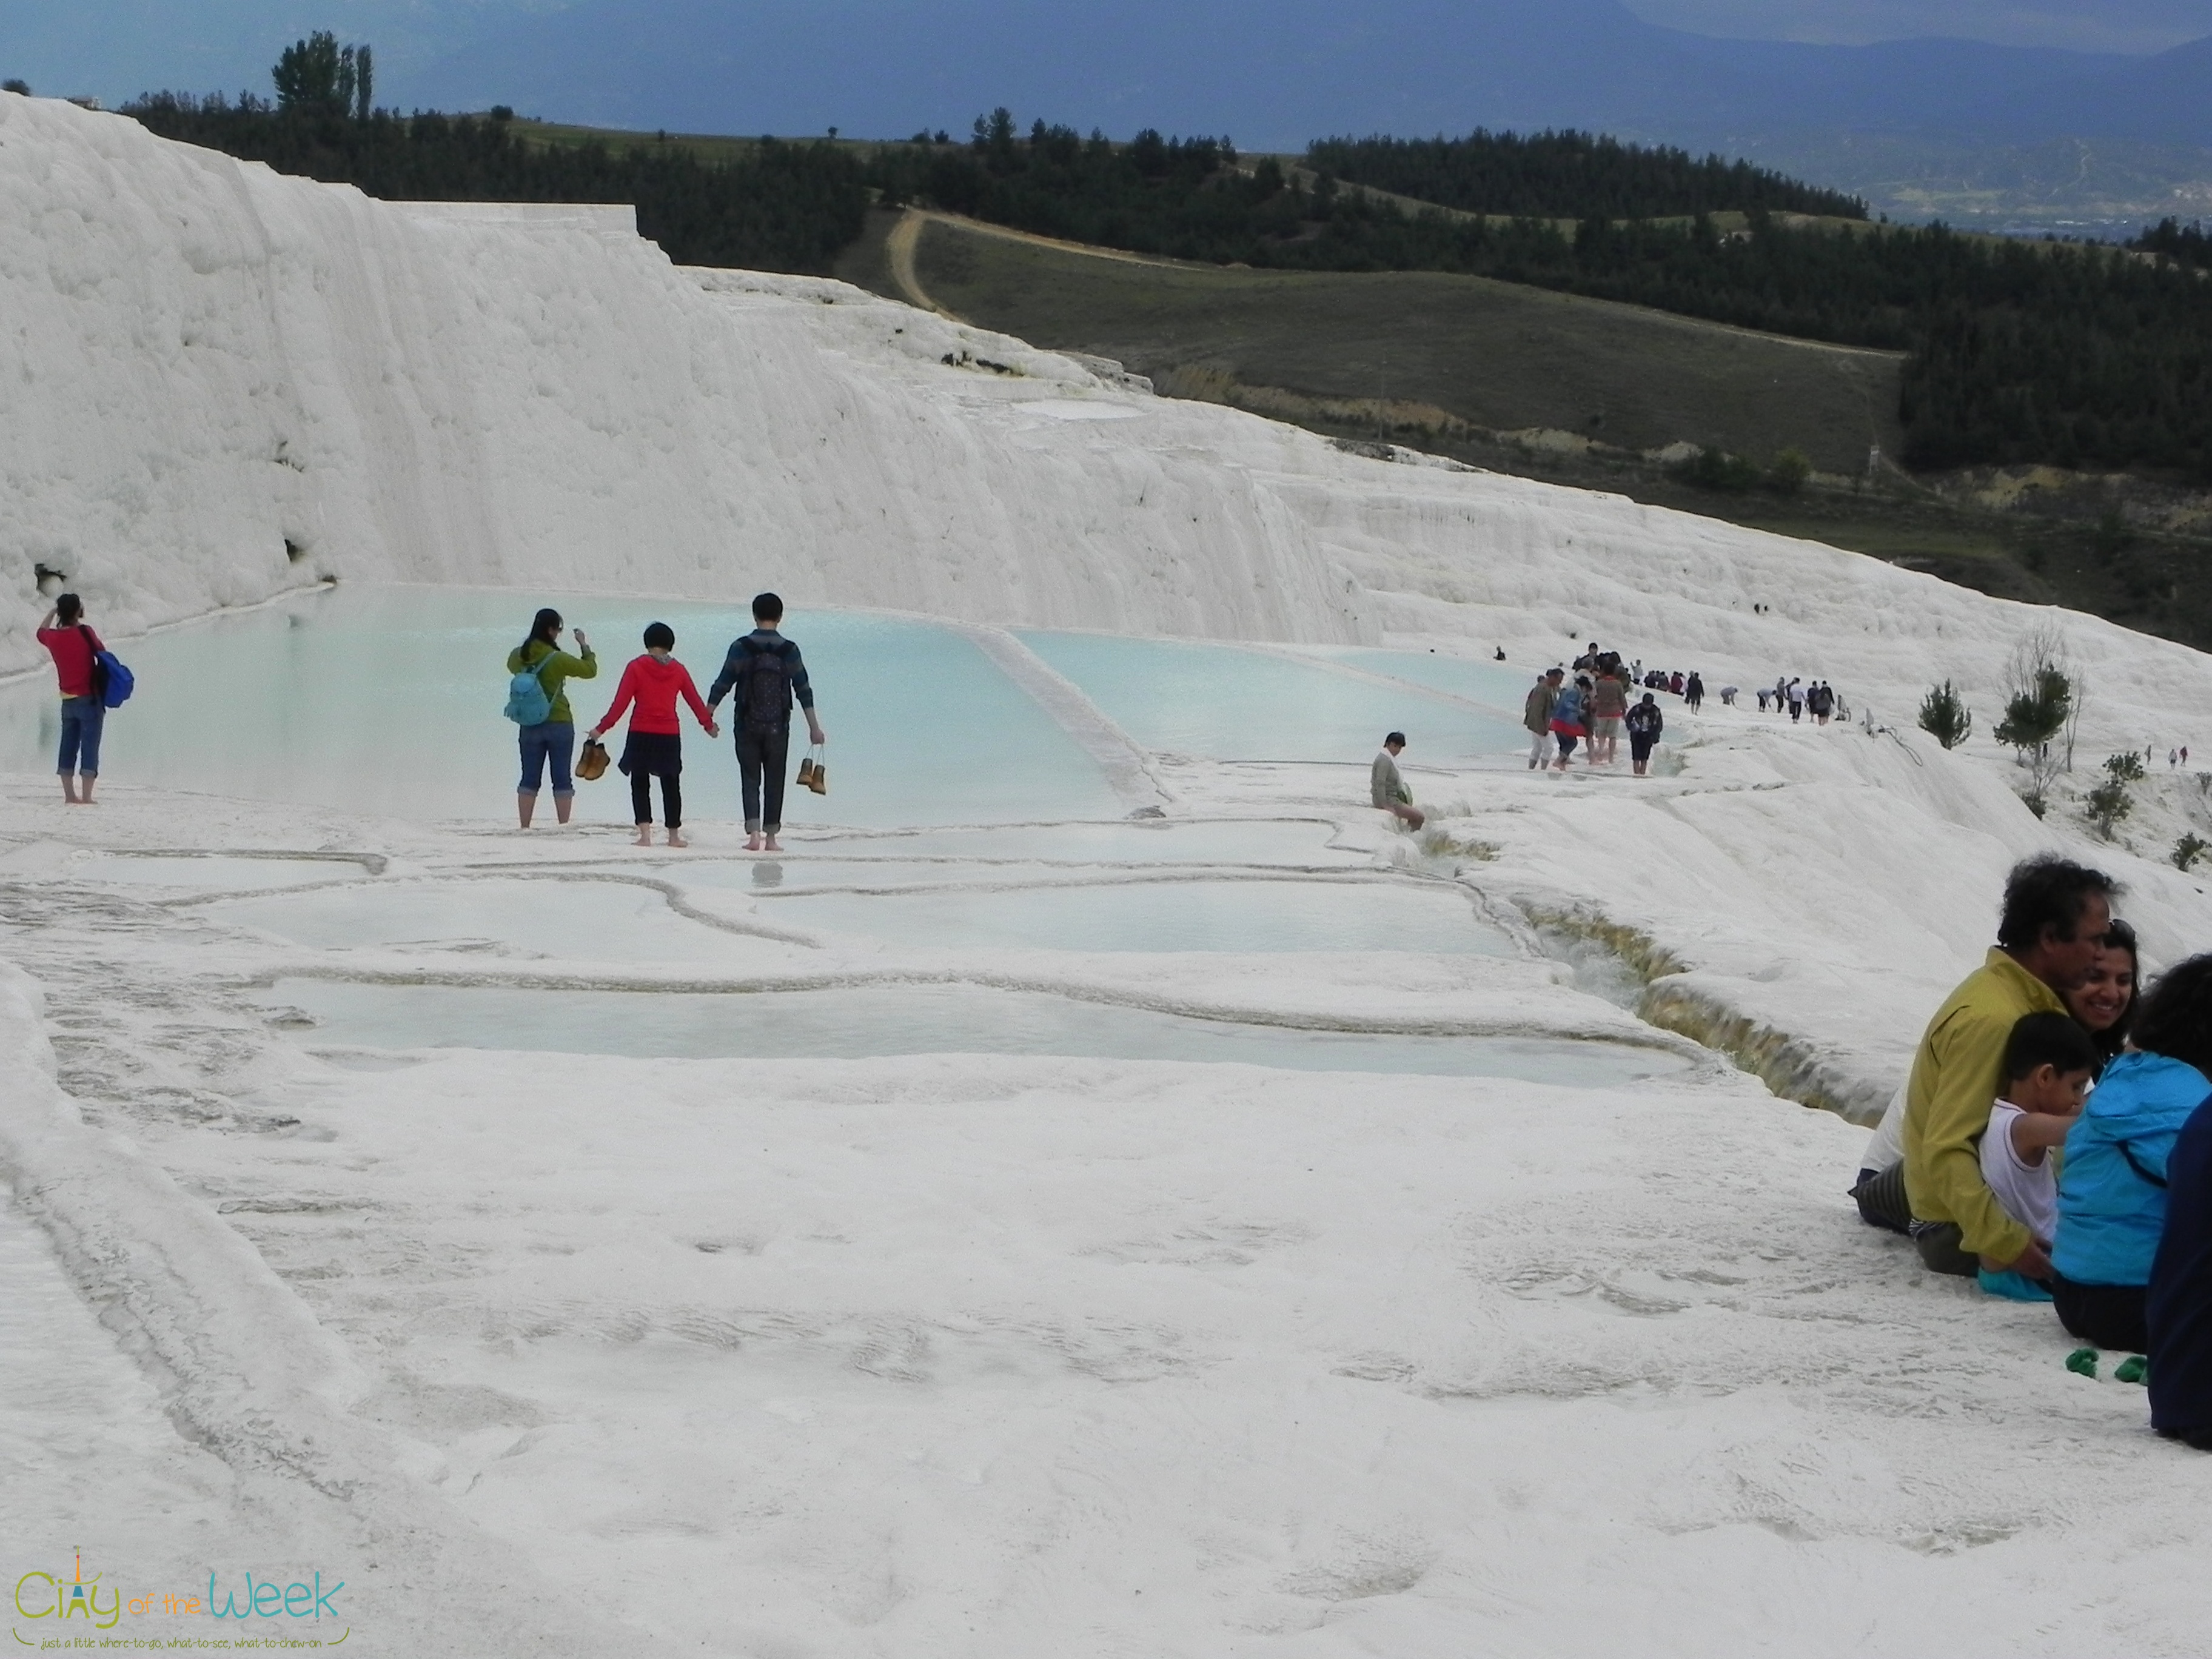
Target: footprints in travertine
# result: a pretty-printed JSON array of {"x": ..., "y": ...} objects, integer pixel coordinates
[
  {"x": 1358, "y": 1567},
  {"x": 1626, "y": 1257},
  {"x": 1207, "y": 1244}
]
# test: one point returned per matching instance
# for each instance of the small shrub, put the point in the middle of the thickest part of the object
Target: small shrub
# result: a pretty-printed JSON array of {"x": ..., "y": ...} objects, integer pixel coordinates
[
  {"x": 1786, "y": 473},
  {"x": 2110, "y": 802},
  {"x": 1945, "y": 717},
  {"x": 22, "y": 88},
  {"x": 2033, "y": 717},
  {"x": 1716, "y": 469},
  {"x": 2190, "y": 848}
]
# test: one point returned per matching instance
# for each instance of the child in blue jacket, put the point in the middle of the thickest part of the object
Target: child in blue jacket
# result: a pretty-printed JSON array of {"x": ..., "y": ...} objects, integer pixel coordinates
[{"x": 2112, "y": 1191}]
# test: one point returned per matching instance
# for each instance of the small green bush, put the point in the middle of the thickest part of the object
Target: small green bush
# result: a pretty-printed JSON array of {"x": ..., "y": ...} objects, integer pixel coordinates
[
  {"x": 1786, "y": 473},
  {"x": 2190, "y": 848},
  {"x": 2110, "y": 802},
  {"x": 1945, "y": 717},
  {"x": 1716, "y": 469},
  {"x": 2107, "y": 804}
]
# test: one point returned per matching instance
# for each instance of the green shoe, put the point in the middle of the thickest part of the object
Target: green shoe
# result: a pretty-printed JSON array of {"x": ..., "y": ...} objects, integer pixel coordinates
[
  {"x": 2134, "y": 1369},
  {"x": 2083, "y": 1362}
]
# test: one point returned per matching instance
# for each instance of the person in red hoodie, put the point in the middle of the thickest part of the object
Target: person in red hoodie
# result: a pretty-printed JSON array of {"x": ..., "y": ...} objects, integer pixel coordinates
[
  {"x": 71, "y": 643},
  {"x": 655, "y": 745}
]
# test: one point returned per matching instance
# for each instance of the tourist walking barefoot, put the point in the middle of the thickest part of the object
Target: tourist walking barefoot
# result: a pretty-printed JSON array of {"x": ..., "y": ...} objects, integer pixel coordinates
[
  {"x": 75, "y": 649},
  {"x": 1645, "y": 723},
  {"x": 1609, "y": 701},
  {"x": 767, "y": 671},
  {"x": 551, "y": 739},
  {"x": 1536, "y": 715},
  {"x": 1568, "y": 715},
  {"x": 655, "y": 746}
]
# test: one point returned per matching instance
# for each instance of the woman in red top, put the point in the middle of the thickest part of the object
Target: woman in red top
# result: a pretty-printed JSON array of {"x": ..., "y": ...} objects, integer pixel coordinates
[
  {"x": 72, "y": 644},
  {"x": 655, "y": 746}
]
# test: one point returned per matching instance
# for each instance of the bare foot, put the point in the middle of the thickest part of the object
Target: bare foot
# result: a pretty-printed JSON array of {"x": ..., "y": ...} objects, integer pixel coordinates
[
  {"x": 772, "y": 846},
  {"x": 644, "y": 837},
  {"x": 753, "y": 844},
  {"x": 675, "y": 840}
]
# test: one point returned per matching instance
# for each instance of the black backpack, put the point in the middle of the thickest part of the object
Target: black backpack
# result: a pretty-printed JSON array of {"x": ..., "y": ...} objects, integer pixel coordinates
[{"x": 764, "y": 689}]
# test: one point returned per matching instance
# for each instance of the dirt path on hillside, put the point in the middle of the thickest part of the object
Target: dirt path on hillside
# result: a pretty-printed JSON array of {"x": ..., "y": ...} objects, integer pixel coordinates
[{"x": 905, "y": 238}]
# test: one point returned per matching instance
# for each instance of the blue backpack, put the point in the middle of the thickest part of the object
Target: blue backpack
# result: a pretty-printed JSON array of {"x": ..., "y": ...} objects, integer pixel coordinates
[
  {"x": 111, "y": 683},
  {"x": 528, "y": 702}
]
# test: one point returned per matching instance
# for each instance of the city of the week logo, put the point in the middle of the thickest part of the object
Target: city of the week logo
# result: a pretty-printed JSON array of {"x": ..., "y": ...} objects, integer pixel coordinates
[{"x": 44, "y": 1596}]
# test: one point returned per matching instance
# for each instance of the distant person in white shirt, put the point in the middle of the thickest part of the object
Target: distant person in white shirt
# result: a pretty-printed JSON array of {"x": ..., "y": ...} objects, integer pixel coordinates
[
  {"x": 1386, "y": 786},
  {"x": 2048, "y": 1065}
]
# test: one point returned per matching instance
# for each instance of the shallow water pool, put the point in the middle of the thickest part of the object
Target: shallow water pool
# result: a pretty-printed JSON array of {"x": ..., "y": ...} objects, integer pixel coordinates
[
  {"x": 568, "y": 920},
  {"x": 387, "y": 701},
  {"x": 579, "y": 919},
  {"x": 1143, "y": 841},
  {"x": 1229, "y": 703},
  {"x": 1499, "y": 685},
  {"x": 1262, "y": 915},
  {"x": 866, "y": 1022},
  {"x": 218, "y": 873}
]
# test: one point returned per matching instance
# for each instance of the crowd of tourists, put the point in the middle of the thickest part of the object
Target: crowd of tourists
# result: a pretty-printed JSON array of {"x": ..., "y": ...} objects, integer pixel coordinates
[
  {"x": 2053, "y": 1140},
  {"x": 1592, "y": 704},
  {"x": 1797, "y": 699},
  {"x": 765, "y": 672},
  {"x": 1594, "y": 710}
]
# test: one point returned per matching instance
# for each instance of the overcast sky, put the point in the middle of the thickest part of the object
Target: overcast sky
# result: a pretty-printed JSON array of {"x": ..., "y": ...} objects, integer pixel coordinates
[
  {"x": 2085, "y": 25},
  {"x": 114, "y": 49}
]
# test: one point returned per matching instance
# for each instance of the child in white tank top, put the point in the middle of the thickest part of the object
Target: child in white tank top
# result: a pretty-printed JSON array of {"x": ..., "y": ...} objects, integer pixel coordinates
[{"x": 2048, "y": 1065}]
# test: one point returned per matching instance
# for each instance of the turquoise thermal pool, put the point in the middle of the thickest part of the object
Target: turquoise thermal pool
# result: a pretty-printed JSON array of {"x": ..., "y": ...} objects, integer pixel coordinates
[
  {"x": 964, "y": 817},
  {"x": 863, "y": 1022},
  {"x": 1168, "y": 915},
  {"x": 1229, "y": 703},
  {"x": 386, "y": 701},
  {"x": 582, "y": 920}
]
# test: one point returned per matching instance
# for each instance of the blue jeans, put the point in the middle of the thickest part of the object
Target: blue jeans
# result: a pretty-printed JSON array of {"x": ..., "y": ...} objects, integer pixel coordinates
[
  {"x": 81, "y": 721},
  {"x": 550, "y": 740}
]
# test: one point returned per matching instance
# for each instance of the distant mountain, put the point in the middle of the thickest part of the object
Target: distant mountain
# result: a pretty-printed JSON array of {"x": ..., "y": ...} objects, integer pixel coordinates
[
  {"x": 1273, "y": 73},
  {"x": 2165, "y": 100}
]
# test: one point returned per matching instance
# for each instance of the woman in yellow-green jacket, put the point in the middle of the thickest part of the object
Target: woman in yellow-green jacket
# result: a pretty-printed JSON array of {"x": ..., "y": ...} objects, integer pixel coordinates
[{"x": 553, "y": 739}]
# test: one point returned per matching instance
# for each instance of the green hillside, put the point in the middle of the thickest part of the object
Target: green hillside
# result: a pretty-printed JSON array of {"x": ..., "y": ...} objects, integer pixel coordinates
[
  {"x": 1555, "y": 386},
  {"x": 1417, "y": 348}
]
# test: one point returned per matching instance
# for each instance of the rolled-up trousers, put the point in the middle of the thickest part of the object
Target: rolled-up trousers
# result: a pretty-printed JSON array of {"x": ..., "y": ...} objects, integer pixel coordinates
[{"x": 762, "y": 760}]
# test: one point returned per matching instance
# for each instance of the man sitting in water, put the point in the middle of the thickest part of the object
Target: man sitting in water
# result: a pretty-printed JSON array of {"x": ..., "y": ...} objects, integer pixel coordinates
[
  {"x": 1387, "y": 787},
  {"x": 2056, "y": 914}
]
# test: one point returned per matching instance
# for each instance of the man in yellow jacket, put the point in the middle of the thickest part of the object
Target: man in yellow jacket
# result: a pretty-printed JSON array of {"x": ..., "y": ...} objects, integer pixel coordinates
[{"x": 2056, "y": 914}]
